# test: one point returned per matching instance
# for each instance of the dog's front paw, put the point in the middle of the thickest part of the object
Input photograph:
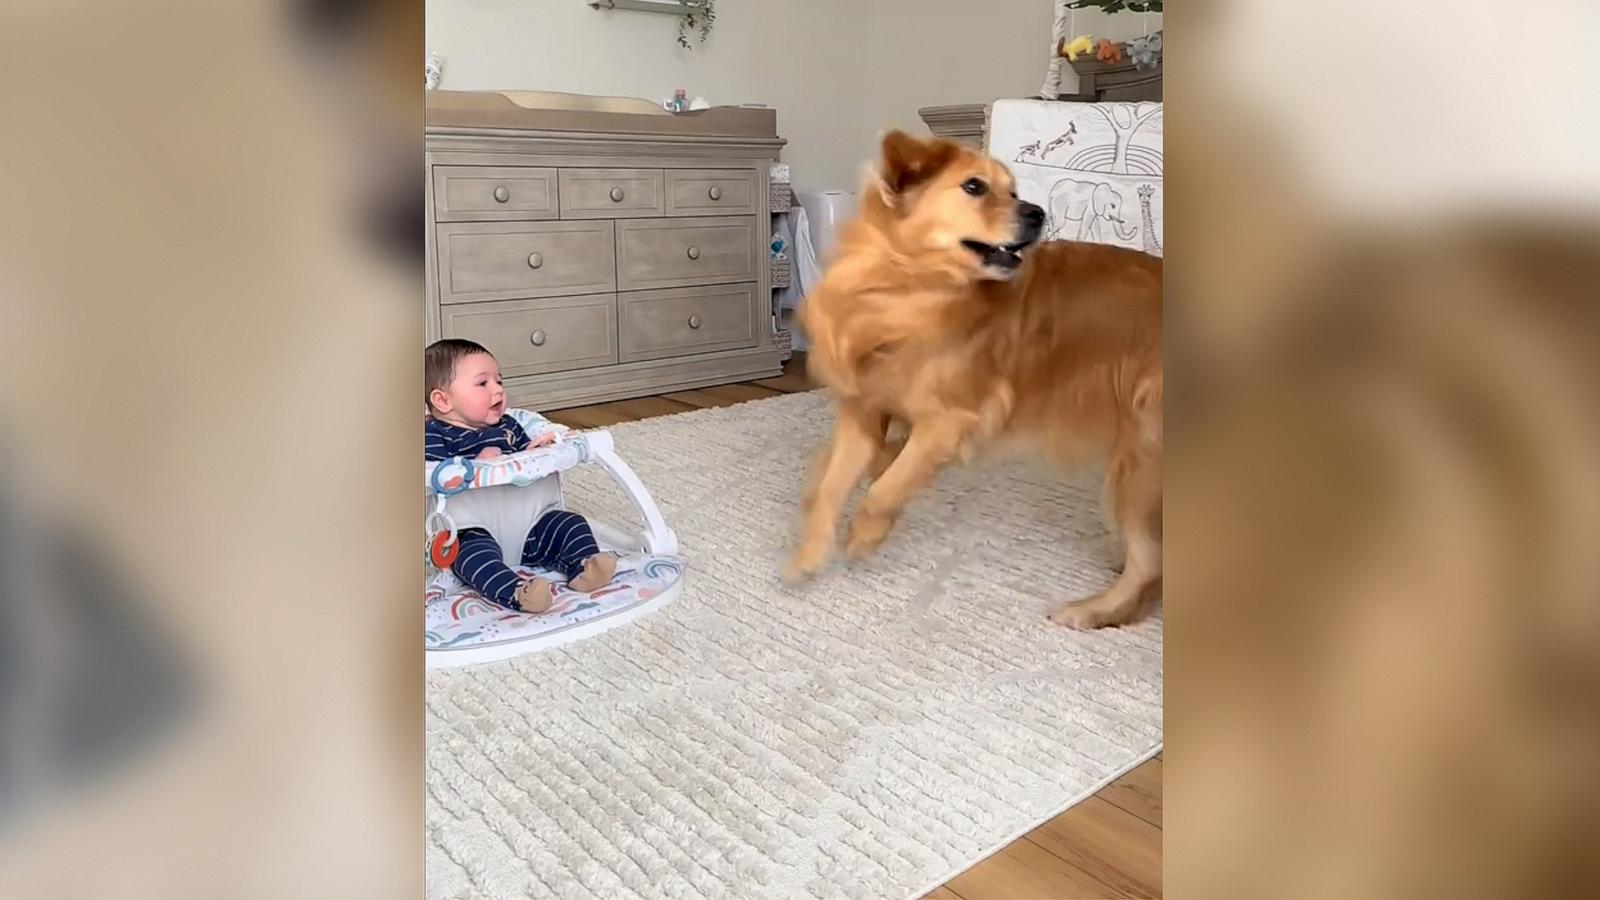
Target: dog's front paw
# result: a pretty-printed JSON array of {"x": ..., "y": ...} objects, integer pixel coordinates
[
  {"x": 867, "y": 533},
  {"x": 1079, "y": 614},
  {"x": 806, "y": 562}
]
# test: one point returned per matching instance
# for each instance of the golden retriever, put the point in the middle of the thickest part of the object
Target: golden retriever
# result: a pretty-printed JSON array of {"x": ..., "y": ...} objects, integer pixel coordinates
[{"x": 942, "y": 312}]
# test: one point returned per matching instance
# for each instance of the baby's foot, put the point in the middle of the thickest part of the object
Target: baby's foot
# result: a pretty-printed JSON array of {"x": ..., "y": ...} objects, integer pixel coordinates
[
  {"x": 596, "y": 574},
  {"x": 535, "y": 596}
]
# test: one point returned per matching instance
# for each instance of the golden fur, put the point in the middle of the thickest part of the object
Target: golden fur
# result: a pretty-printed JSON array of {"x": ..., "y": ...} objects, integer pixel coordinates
[{"x": 1061, "y": 357}]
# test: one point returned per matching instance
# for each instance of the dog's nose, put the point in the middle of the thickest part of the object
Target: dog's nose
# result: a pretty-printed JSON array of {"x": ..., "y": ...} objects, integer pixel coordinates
[{"x": 1031, "y": 213}]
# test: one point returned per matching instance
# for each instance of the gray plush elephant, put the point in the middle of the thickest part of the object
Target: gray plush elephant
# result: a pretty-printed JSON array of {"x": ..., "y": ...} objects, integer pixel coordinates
[{"x": 1086, "y": 204}]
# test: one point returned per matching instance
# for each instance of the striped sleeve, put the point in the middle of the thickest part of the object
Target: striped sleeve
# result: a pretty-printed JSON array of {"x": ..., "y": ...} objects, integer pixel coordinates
[{"x": 436, "y": 444}]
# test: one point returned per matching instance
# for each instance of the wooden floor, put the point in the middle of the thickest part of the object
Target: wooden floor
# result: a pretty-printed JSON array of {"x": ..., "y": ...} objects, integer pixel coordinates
[
  {"x": 1106, "y": 846},
  {"x": 793, "y": 380}
]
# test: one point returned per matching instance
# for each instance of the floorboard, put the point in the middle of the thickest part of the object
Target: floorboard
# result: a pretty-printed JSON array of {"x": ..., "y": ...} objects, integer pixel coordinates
[
  {"x": 1115, "y": 846},
  {"x": 1139, "y": 792},
  {"x": 1024, "y": 870},
  {"x": 701, "y": 399}
]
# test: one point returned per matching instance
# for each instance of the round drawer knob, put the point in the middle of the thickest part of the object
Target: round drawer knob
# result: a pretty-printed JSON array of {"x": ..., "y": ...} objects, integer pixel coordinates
[
  {"x": 537, "y": 338},
  {"x": 502, "y": 194},
  {"x": 616, "y": 195},
  {"x": 535, "y": 260},
  {"x": 716, "y": 192},
  {"x": 694, "y": 252},
  {"x": 694, "y": 321}
]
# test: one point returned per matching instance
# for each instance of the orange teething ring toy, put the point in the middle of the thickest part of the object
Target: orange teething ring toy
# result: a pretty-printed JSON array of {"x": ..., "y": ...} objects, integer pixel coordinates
[{"x": 443, "y": 550}]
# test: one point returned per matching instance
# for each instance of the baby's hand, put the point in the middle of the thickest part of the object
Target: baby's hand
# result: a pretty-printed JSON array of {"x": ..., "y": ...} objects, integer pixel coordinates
[
  {"x": 543, "y": 440},
  {"x": 489, "y": 453}
]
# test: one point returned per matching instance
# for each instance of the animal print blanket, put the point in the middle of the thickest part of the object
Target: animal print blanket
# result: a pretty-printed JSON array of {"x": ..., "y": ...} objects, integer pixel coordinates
[{"x": 1094, "y": 167}]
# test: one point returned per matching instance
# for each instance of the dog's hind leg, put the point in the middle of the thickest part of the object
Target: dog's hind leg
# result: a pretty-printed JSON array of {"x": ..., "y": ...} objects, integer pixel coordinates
[
  {"x": 1112, "y": 546},
  {"x": 927, "y": 449},
  {"x": 1136, "y": 485},
  {"x": 888, "y": 451},
  {"x": 857, "y": 434},
  {"x": 1134, "y": 481}
]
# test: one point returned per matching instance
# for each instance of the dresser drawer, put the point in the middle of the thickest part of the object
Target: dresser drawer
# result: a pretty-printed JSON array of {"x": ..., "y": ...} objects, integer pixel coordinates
[
  {"x": 532, "y": 337},
  {"x": 710, "y": 192},
  {"x": 681, "y": 252},
  {"x": 488, "y": 193},
  {"x": 611, "y": 193},
  {"x": 503, "y": 261},
  {"x": 681, "y": 321}
]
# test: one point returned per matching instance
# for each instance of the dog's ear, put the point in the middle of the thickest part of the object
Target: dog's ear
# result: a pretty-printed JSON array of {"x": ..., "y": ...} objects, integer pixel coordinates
[{"x": 908, "y": 161}]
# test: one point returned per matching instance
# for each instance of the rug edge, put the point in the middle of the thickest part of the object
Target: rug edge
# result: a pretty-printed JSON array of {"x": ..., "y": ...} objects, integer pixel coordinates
[{"x": 1007, "y": 841}]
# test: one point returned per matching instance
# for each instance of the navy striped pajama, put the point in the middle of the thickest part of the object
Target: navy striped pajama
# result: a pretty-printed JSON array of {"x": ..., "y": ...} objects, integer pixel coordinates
[
  {"x": 441, "y": 440},
  {"x": 560, "y": 540}
]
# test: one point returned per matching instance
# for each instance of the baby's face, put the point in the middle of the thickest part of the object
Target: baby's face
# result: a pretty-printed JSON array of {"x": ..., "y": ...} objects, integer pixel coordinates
[{"x": 475, "y": 397}]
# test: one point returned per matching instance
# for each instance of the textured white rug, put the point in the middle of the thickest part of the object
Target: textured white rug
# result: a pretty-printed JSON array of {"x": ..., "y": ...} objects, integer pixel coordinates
[{"x": 870, "y": 735}]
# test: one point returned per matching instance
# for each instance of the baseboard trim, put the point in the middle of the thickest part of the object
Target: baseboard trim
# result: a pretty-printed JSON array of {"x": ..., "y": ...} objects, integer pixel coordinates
[{"x": 642, "y": 379}]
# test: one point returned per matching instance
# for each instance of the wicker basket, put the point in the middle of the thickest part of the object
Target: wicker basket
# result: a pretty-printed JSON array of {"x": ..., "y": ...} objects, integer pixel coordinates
[
  {"x": 779, "y": 197},
  {"x": 784, "y": 341},
  {"x": 782, "y": 270}
]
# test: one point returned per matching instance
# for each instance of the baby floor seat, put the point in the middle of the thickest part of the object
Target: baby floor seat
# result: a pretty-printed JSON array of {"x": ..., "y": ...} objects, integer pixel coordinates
[{"x": 464, "y": 627}]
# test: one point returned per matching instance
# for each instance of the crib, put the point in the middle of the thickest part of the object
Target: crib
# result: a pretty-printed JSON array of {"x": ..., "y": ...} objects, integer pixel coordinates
[{"x": 462, "y": 627}]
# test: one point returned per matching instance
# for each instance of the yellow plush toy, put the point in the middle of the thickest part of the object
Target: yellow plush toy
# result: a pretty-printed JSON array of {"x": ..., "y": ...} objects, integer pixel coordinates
[{"x": 1083, "y": 43}]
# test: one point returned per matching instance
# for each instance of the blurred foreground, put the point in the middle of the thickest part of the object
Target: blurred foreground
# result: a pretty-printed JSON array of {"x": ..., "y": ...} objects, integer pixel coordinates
[
  {"x": 1383, "y": 519},
  {"x": 210, "y": 263}
]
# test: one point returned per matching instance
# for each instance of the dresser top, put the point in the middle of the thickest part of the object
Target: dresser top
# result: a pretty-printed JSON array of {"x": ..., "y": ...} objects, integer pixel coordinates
[{"x": 448, "y": 111}]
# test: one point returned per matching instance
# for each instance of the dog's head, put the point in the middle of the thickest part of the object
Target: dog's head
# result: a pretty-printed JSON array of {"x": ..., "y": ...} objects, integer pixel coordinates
[{"x": 937, "y": 198}]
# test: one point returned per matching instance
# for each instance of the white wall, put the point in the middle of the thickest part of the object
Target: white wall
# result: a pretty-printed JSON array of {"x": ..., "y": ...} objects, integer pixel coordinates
[
  {"x": 935, "y": 52},
  {"x": 839, "y": 72}
]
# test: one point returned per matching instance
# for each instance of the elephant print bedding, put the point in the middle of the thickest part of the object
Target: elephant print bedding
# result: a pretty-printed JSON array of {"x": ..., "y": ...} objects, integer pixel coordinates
[{"x": 1096, "y": 168}]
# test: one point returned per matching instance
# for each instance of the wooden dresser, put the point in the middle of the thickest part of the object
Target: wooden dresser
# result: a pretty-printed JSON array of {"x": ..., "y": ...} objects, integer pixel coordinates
[{"x": 601, "y": 255}]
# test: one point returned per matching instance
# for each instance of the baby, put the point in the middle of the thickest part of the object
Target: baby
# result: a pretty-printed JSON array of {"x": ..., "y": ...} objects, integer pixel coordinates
[{"x": 466, "y": 417}]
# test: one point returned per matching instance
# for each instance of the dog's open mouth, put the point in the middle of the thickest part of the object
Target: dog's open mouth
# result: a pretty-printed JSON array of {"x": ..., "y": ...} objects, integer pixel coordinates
[{"x": 999, "y": 256}]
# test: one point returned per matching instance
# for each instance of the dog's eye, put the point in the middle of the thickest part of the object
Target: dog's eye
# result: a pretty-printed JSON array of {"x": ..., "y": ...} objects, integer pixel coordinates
[{"x": 977, "y": 187}]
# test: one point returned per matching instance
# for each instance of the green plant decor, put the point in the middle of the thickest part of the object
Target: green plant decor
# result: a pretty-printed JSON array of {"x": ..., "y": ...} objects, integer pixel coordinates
[{"x": 698, "y": 15}]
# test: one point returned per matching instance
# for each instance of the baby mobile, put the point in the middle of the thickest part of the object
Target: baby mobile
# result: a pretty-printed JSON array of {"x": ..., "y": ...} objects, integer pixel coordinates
[{"x": 1144, "y": 52}]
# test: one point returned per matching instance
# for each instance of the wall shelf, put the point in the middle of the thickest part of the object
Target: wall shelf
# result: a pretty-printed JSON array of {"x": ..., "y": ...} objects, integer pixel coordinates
[{"x": 669, "y": 7}]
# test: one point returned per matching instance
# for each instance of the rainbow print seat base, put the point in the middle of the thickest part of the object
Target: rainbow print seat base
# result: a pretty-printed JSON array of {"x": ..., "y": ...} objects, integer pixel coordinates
[{"x": 464, "y": 628}]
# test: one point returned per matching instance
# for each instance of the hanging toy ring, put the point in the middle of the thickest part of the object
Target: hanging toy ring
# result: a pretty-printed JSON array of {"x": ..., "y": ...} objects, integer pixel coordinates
[
  {"x": 439, "y": 520},
  {"x": 436, "y": 478},
  {"x": 443, "y": 548}
]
